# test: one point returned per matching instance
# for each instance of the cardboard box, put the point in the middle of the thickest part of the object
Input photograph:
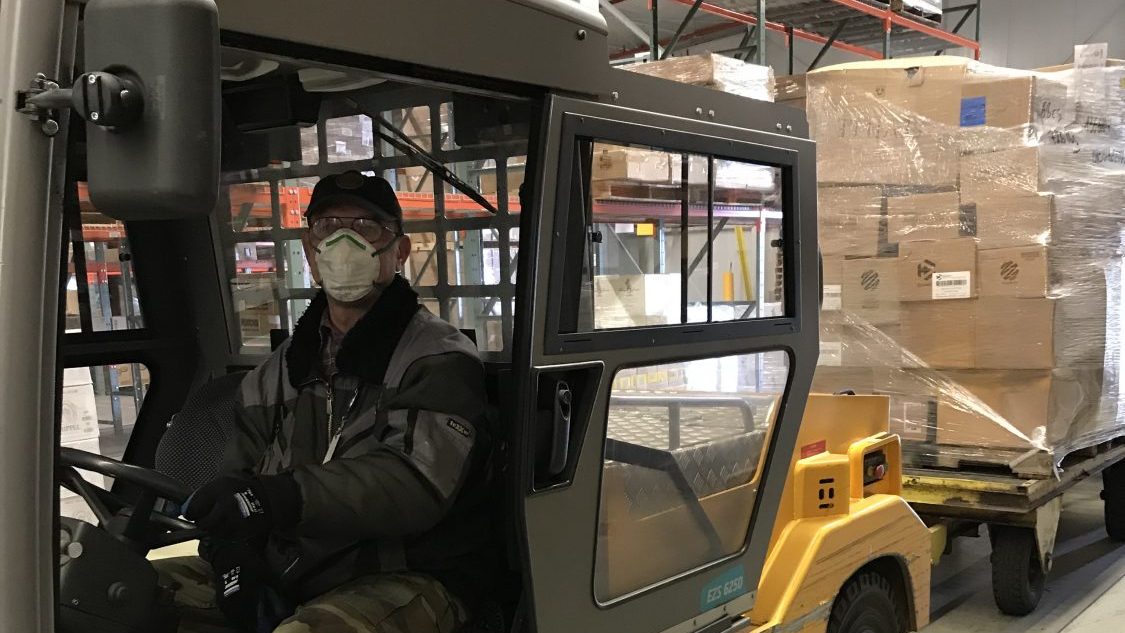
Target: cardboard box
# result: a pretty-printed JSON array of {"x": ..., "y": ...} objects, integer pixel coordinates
[
  {"x": 718, "y": 72},
  {"x": 791, "y": 91},
  {"x": 637, "y": 165},
  {"x": 828, "y": 379},
  {"x": 928, "y": 87},
  {"x": 72, "y": 505},
  {"x": 880, "y": 155},
  {"x": 938, "y": 269},
  {"x": 913, "y": 406},
  {"x": 848, "y": 341},
  {"x": 79, "y": 414},
  {"x": 75, "y": 376},
  {"x": 75, "y": 507},
  {"x": 259, "y": 321},
  {"x": 1004, "y": 110},
  {"x": 832, "y": 280},
  {"x": 1015, "y": 333},
  {"x": 515, "y": 179},
  {"x": 912, "y": 417},
  {"x": 90, "y": 445},
  {"x": 729, "y": 174},
  {"x": 834, "y": 202},
  {"x": 939, "y": 334},
  {"x": 125, "y": 374},
  {"x": 1014, "y": 221},
  {"x": 924, "y": 216},
  {"x": 634, "y": 300},
  {"x": 871, "y": 289},
  {"x": 994, "y": 176},
  {"x": 849, "y": 220},
  {"x": 72, "y": 306},
  {"x": 1019, "y": 271},
  {"x": 890, "y": 122},
  {"x": 857, "y": 236},
  {"x": 1012, "y": 409}
]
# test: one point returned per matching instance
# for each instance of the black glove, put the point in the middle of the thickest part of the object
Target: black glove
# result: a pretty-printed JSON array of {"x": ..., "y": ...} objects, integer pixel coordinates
[
  {"x": 243, "y": 586},
  {"x": 239, "y": 507}
]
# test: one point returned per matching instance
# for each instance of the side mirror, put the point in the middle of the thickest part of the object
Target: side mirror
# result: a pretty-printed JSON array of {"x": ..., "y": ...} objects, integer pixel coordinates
[{"x": 152, "y": 155}]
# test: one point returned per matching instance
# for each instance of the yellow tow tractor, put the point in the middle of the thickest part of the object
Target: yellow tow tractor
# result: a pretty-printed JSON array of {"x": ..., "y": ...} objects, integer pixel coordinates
[{"x": 664, "y": 467}]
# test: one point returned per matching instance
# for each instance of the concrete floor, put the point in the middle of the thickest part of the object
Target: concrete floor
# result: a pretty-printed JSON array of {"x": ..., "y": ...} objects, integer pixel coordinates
[{"x": 1085, "y": 590}]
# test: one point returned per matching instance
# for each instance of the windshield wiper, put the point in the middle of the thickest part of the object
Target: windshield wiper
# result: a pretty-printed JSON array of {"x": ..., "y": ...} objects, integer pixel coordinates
[{"x": 400, "y": 141}]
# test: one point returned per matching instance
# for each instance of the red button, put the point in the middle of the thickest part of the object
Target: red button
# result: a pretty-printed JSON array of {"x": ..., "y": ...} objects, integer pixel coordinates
[{"x": 880, "y": 471}]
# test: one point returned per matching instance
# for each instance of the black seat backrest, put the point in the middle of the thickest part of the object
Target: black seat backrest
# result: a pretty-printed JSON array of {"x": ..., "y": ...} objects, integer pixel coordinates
[{"x": 191, "y": 449}]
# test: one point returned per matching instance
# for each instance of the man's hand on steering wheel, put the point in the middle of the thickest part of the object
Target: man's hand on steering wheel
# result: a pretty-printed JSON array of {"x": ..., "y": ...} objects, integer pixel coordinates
[{"x": 243, "y": 507}]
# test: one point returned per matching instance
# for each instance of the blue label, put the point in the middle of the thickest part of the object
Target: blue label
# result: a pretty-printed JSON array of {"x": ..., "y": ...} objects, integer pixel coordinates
[
  {"x": 728, "y": 586},
  {"x": 972, "y": 111}
]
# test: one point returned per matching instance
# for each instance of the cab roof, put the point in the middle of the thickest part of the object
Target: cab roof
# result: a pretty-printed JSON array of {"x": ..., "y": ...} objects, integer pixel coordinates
[{"x": 557, "y": 44}]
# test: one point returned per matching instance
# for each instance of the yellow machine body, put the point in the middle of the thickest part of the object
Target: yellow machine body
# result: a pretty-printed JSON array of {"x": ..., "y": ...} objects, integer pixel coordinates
[{"x": 831, "y": 525}]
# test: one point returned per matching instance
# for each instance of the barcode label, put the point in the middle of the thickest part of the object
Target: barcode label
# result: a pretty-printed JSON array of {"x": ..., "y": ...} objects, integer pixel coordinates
[
  {"x": 953, "y": 285},
  {"x": 832, "y": 297}
]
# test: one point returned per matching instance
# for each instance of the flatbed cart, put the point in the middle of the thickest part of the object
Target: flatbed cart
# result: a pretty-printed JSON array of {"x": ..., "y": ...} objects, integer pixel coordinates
[{"x": 1021, "y": 511}]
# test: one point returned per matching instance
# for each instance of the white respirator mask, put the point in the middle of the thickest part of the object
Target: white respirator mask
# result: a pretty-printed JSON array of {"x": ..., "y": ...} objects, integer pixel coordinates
[{"x": 349, "y": 265}]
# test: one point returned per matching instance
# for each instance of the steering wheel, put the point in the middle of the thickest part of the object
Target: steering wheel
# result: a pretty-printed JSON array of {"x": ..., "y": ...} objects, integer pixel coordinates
[{"x": 139, "y": 525}]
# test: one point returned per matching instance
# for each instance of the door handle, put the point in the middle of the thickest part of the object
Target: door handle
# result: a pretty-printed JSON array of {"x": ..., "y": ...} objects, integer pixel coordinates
[{"x": 560, "y": 428}]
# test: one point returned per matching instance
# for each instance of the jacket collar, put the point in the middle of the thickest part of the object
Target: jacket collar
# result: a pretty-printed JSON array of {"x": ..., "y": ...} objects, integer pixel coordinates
[{"x": 366, "y": 349}]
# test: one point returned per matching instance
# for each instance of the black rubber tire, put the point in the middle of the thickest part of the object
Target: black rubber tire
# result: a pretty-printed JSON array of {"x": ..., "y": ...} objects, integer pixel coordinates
[
  {"x": 868, "y": 604},
  {"x": 1017, "y": 575},
  {"x": 1113, "y": 495}
]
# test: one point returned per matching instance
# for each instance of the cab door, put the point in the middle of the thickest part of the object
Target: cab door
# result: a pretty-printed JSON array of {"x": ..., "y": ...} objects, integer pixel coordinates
[{"x": 665, "y": 345}]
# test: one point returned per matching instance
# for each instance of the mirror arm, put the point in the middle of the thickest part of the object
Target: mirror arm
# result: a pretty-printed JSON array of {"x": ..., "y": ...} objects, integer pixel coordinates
[{"x": 105, "y": 99}]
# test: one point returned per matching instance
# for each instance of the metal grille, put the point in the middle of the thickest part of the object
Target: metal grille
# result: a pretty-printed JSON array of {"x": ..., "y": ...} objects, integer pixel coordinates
[{"x": 460, "y": 285}]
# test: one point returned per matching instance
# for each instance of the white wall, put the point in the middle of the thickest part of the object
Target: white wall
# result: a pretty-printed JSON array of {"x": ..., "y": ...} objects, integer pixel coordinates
[{"x": 1037, "y": 33}]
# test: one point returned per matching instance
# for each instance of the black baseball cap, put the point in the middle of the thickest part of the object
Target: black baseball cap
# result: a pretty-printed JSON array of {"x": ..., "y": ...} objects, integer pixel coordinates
[{"x": 372, "y": 193}]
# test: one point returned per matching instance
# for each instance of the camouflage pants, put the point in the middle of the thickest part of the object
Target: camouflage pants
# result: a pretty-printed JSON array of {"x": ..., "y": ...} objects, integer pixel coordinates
[{"x": 383, "y": 603}]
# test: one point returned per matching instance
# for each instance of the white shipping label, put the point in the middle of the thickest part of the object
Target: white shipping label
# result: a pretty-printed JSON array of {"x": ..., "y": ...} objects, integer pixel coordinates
[
  {"x": 954, "y": 285},
  {"x": 832, "y": 295},
  {"x": 831, "y": 354},
  {"x": 1091, "y": 55}
]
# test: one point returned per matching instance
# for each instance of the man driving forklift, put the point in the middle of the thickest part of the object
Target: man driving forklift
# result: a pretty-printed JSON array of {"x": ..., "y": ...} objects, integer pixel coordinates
[{"x": 352, "y": 498}]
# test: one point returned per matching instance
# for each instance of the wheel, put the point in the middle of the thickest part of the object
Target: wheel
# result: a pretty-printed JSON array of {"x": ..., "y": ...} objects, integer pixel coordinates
[
  {"x": 1113, "y": 493},
  {"x": 1017, "y": 575},
  {"x": 868, "y": 604}
]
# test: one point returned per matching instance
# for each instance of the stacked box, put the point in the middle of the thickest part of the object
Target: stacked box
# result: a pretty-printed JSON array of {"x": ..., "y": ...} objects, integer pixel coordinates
[
  {"x": 623, "y": 301},
  {"x": 79, "y": 430},
  {"x": 970, "y": 219},
  {"x": 791, "y": 91},
  {"x": 718, "y": 72}
]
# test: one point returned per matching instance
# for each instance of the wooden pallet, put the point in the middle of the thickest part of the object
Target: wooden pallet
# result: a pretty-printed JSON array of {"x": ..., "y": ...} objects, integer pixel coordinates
[{"x": 1029, "y": 464}]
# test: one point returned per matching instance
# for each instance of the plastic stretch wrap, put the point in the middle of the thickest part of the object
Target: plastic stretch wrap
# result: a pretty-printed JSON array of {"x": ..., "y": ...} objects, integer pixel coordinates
[
  {"x": 714, "y": 71},
  {"x": 971, "y": 225}
]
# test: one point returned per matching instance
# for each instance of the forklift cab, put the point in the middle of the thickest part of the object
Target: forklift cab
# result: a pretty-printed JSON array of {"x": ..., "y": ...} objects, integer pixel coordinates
[{"x": 636, "y": 259}]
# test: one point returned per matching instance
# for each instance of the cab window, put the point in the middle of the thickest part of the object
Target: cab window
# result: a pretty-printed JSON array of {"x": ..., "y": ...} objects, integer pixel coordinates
[
  {"x": 463, "y": 257},
  {"x": 658, "y": 231},
  {"x": 101, "y": 290},
  {"x": 661, "y": 231},
  {"x": 683, "y": 455},
  {"x": 100, "y": 403}
]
